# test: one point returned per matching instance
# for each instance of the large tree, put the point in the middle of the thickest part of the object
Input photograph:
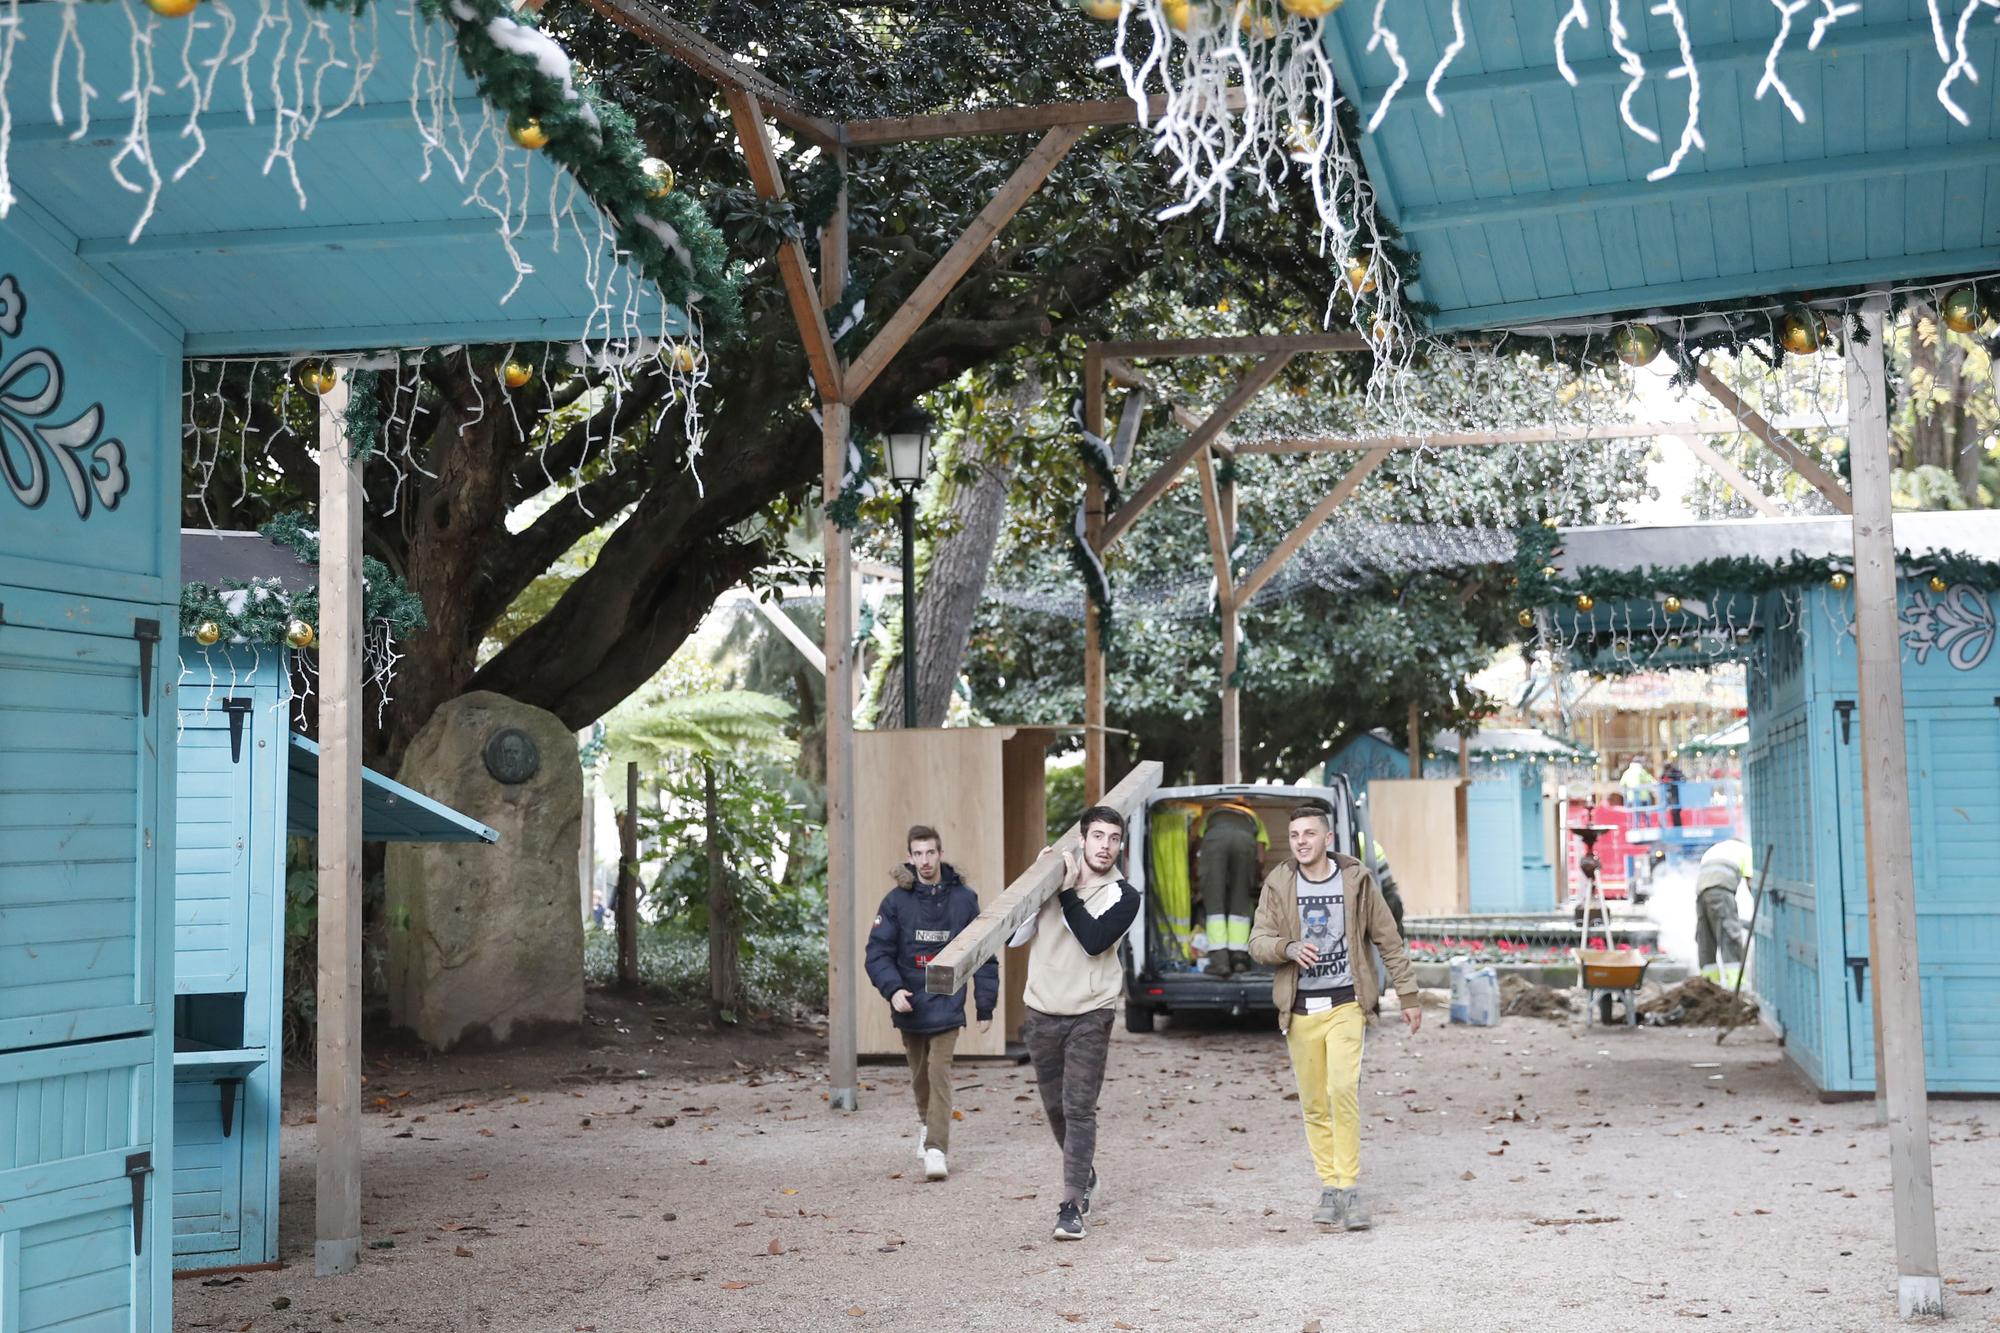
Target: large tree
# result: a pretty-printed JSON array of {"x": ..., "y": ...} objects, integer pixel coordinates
[{"x": 491, "y": 500}]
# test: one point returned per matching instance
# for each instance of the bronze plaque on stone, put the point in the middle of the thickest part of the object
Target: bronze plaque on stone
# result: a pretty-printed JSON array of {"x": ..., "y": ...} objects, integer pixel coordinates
[{"x": 511, "y": 756}]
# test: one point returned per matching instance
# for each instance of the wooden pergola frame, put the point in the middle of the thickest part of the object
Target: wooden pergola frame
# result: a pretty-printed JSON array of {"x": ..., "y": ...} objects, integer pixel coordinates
[
  {"x": 1113, "y": 360},
  {"x": 754, "y": 101}
]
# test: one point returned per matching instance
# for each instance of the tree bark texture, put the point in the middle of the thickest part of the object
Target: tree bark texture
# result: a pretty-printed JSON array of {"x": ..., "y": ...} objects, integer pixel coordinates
[{"x": 954, "y": 578}]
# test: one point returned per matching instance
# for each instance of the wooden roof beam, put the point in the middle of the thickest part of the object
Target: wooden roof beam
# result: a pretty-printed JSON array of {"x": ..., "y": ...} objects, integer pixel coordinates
[
  {"x": 964, "y": 252},
  {"x": 1122, "y": 518},
  {"x": 1321, "y": 512},
  {"x": 718, "y": 66},
  {"x": 1239, "y": 345},
  {"x": 881, "y": 131},
  {"x": 1801, "y": 462},
  {"x": 1532, "y": 435},
  {"x": 795, "y": 268}
]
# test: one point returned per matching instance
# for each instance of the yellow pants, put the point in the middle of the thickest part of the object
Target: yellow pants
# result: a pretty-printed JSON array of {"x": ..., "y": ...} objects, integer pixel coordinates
[{"x": 1326, "y": 1059}]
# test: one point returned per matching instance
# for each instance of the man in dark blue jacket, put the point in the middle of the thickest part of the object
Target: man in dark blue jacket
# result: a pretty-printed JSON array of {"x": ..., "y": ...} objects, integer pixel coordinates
[{"x": 928, "y": 906}]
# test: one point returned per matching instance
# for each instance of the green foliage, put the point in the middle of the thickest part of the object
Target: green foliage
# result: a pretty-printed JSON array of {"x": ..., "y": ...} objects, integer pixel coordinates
[
  {"x": 754, "y": 820},
  {"x": 712, "y": 723},
  {"x": 299, "y": 1019},
  {"x": 1062, "y": 787},
  {"x": 783, "y": 974},
  {"x": 268, "y": 610}
]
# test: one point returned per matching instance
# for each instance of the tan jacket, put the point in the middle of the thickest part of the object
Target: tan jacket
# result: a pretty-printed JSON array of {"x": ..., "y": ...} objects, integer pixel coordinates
[{"x": 1368, "y": 922}]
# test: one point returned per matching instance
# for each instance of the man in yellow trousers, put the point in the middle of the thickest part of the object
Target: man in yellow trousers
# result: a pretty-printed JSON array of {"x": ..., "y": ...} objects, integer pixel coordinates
[{"x": 1316, "y": 918}]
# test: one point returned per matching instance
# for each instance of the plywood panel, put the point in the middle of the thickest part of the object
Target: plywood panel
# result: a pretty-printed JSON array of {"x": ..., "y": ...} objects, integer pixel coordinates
[
  {"x": 1024, "y": 769},
  {"x": 953, "y": 780},
  {"x": 1421, "y": 825}
]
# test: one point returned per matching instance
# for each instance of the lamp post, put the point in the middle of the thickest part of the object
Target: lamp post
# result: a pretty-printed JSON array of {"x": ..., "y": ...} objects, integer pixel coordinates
[{"x": 909, "y": 461}]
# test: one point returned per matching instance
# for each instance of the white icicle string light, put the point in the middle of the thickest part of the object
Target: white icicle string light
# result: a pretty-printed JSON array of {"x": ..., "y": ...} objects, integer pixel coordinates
[
  {"x": 1690, "y": 132},
  {"x": 1772, "y": 80},
  {"x": 1635, "y": 75}
]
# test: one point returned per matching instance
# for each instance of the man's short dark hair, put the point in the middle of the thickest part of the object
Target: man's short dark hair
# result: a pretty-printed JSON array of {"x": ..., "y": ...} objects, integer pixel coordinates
[
  {"x": 1313, "y": 810},
  {"x": 922, "y": 833},
  {"x": 1100, "y": 814}
]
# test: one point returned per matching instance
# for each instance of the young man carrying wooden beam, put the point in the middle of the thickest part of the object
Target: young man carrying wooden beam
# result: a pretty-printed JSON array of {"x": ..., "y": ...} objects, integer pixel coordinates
[
  {"x": 1317, "y": 917},
  {"x": 1074, "y": 981}
]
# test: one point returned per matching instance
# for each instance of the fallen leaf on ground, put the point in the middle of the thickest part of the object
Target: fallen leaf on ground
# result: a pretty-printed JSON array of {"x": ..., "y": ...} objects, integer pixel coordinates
[
  {"x": 477, "y": 1175},
  {"x": 855, "y": 1311},
  {"x": 1468, "y": 1176},
  {"x": 774, "y": 1247},
  {"x": 1159, "y": 1258},
  {"x": 1072, "y": 1318},
  {"x": 1311, "y": 1326},
  {"x": 788, "y": 1191},
  {"x": 485, "y": 1133},
  {"x": 734, "y": 1286},
  {"x": 461, "y": 1252}
]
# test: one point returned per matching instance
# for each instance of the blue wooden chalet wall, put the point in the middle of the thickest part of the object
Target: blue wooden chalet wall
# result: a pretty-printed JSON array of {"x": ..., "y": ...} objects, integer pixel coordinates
[
  {"x": 1509, "y": 870},
  {"x": 94, "y": 331},
  {"x": 88, "y": 593},
  {"x": 1803, "y": 779},
  {"x": 1529, "y": 200}
]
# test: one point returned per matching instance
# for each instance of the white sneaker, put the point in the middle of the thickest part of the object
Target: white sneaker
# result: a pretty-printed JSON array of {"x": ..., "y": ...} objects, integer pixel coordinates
[
  {"x": 923, "y": 1137},
  {"x": 934, "y": 1168}
]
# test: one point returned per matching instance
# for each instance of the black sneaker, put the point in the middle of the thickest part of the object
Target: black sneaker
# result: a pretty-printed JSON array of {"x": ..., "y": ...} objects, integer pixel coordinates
[
  {"x": 1089, "y": 1191},
  {"x": 1069, "y": 1222}
]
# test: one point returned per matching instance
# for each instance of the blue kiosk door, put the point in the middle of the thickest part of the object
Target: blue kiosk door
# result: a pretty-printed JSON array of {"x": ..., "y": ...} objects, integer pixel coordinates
[{"x": 77, "y": 957}]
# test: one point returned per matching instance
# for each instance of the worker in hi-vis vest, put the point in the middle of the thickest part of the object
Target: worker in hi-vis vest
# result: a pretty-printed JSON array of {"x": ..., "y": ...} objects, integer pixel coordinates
[
  {"x": 1716, "y": 924},
  {"x": 1232, "y": 844}
]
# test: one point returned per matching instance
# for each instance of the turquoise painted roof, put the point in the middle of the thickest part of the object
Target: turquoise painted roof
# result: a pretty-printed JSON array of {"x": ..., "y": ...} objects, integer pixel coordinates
[
  {"x": 1528, "y": 200},
  {"x": 387, "y": 250}
]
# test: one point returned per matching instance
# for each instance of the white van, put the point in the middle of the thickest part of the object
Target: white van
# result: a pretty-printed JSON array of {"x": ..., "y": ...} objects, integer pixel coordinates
[{"x": 1164, "y": 964}]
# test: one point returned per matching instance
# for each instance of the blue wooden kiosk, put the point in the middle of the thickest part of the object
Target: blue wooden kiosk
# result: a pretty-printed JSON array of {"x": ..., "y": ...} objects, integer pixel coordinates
[
  {"x": 112, "y": 272},
  {"x": 1511, "y": 866},
  {"x": 1802, "y": 774},
  {"x": 244, "y": 782}
]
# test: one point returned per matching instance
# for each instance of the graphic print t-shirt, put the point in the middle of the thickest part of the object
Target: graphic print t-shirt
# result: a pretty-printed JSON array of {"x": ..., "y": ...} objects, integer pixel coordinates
[{"x": 1323, "y": 924}]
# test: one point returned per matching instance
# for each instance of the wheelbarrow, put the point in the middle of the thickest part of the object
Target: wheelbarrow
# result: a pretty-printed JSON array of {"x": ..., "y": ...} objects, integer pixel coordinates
[{"x": 1609, "y": 973}]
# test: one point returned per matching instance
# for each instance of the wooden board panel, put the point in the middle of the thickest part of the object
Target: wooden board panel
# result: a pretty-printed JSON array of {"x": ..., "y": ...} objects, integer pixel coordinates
[
  {"x": 1421, "y": 826},
  {"x": 953, "y": 780},
  {"x": 1024, "y": 768}
]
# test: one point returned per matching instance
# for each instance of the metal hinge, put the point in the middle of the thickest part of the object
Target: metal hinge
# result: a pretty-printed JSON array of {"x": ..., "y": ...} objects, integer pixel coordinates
[
  {"x": 227, "y": 1088},
  {"x": 1845, "y": 707},
  {"x": 1859, "y": 967},
  {"x": 238, "y": 710},
  {"x": 137, "y": 1167},
  {"x": 147, "y": 632}
]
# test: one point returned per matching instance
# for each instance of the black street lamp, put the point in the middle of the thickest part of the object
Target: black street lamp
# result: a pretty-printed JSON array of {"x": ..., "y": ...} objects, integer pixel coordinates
[{"x": 909, "y": 462}]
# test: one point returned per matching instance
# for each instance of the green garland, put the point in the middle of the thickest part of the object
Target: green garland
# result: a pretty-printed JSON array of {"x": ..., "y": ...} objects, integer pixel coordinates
[
  {"x": 845, "y": 509},
  {"x": 267, "y": 611},
  {"x": 364, "y": 414}
]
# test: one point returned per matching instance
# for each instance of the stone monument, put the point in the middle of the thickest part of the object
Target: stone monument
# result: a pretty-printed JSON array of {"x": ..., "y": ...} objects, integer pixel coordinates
[{"x": 486, "y": 942}]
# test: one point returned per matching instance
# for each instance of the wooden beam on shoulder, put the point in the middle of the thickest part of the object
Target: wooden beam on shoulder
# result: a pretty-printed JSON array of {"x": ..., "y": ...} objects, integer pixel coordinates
[
  {"x": 964, "y": 252},
  {"x": 954, "y": 964},
  {"x": 1198, "y": 439},
  {"x": 1006, "y": 120},
  {"x": 800, "y": 289},
  {"x": 1800, "y": 461},
  {"x": 1321, "y": 512}
]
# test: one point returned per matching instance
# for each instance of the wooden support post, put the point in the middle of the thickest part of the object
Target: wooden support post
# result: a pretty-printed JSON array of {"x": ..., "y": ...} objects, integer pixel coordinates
[
  {"x": 964, "y": 252},
  {"x": 1464, "y": 756},
  {"x": 1199, "y": 439},
  {"x": 1885, "y": 785},
  {"x": 626, "y": 918},
  {"x": 1310, "y": 524},
  {"x": 337, "y": 1160},
  {"x": 953, "y": 965},
  {"x": 841, "y": 988},
  {"x": 1093, "y": 630},
  {"x": 833, "y": 242},
  {"x": 1800, "y": 462},
  {"x": 1225, "y": 601},
  {"x": 1416, "y": 740}
]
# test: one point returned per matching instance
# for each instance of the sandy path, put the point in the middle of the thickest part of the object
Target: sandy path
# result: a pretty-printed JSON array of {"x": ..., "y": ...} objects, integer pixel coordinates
[{"x": 1741, "y": 1201}]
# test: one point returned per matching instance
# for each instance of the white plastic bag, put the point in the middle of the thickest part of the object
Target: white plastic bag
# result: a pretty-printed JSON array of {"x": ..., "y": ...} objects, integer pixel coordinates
[{"x": 1475, "y": 993}]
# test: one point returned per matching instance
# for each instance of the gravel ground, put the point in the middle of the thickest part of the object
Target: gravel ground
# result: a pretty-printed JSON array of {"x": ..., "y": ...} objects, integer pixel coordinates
[{"x": 1535, "y": 1176}]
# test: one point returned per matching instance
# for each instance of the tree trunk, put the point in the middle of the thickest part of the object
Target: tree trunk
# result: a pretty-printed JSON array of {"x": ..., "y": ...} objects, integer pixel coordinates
[
  {"x": 625, "y": 917},
  {"x": 725, "y": 957},
  {"x": 955, "y": 578}
]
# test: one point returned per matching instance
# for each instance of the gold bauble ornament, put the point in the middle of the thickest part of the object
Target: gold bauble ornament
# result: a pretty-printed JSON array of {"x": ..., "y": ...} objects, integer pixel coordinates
[
  {"x": 1584, "y": 601},
  {"x": 1311, "y": 9},
  {"x": 207, "y": 633},
  {"x": 1839, "y": 581},
  {"x": 659, "y": 179},
  {"x": 1960, "y": 311},
  {"x": 1937, "y": 583},
  {"x": 1743, "y": 636},
  {"x": 1524, "y": 619},
  {"x": 1360, "y": 278},
  {"x": 528, "y": 133},
  {"x": 1104, "y": 11},
  {"x": 1673, "y": 605},
  {"x": 1176, "y": 14},
  {"x": 1623, "y": 647},
  {"x": 1381, "y": 331},
  {"x": 173, "y": 9},
  {"x": 1799, "y": 333},
  {"x": 1302, "y": 141},
  {"x": 1636, "y": 344},
  {"x": 516, "y": 374},
  {"x": 1549, "y": 523},
  {"x": 1222, "y": 306},
  {"x": 299, "y": 634},
  {"x": 1256, "y": 23},
  {"x": 684, "y": 358},
  {"x": 315, "y": 377},
  {"x": 1513, "y": 580}
]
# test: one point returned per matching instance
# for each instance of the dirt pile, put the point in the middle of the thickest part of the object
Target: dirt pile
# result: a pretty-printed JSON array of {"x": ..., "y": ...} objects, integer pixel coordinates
[
  {"x": 1698, "y": 1002},
  {"x": 1522, "y": 998}
]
